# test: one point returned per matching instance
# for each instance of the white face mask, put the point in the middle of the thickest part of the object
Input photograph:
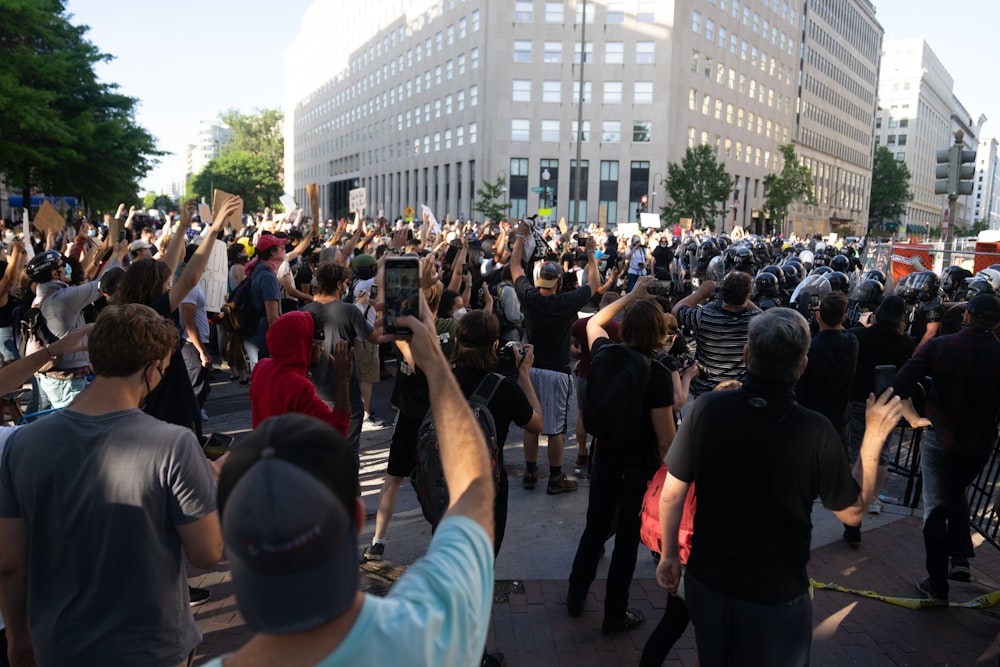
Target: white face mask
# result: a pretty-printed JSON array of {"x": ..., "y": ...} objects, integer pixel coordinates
[{"x": 458, "y": 314}]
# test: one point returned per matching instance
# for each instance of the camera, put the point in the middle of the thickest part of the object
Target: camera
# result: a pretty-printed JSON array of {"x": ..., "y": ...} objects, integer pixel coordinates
[{"x": 508, "y": 358}]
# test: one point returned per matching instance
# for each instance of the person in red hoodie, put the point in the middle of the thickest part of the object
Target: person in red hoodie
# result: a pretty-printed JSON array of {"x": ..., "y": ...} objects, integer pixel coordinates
[{"x": 281, "y": 384}]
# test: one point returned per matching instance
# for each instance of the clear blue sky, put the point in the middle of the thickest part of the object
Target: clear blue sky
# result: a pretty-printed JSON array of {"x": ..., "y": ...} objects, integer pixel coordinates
[{"x": 189, "y": 60}]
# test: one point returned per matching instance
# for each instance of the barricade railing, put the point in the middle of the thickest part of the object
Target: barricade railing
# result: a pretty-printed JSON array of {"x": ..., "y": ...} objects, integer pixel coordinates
[
  {"x": 904, "y": 461},
  {"x": 982, "y": 495}
]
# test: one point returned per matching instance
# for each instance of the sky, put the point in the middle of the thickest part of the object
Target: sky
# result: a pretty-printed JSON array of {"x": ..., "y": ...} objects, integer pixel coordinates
[{"x": 189, "y": 60}]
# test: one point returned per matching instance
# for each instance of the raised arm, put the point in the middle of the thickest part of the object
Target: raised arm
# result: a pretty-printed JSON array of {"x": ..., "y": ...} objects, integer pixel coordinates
[
  {"x": 196, "y": 265},
  {"x": 172, "y": 255},
  {"x": 596, "y": 324},
  {"x": 517, "y": 254}
]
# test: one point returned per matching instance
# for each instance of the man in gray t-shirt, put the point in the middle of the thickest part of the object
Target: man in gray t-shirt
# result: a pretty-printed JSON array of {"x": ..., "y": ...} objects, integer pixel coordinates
[{"x": 103, "y": 494}]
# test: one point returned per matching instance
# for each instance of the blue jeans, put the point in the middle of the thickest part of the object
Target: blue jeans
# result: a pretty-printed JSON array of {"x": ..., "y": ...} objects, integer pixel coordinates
[
  {"x": 733, "y": 632},
  {"x": 946, "y": 474},
  {"x": 630, "y": 280},
  {"x": 8, "y": 344},
  {"x": 60, "y": 393}
]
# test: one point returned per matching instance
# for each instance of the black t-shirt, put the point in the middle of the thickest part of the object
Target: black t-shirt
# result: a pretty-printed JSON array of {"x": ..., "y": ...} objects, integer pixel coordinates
[
  {"x": 773, "y": 468},
  {"x": 659, "y": 394},
  {"x": 826, "y": 384},
  {"x": 547, "y": 322},
  {"x": 877, "y": 346},
  {"x": 924, "y": 313},
  {"x": 663, "y": 256},
  {"x": 173, "y": 400},
  {"x": 509, "y": 404}
]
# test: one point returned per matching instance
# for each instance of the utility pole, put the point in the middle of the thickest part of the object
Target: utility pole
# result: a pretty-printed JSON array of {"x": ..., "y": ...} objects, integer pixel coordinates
[{"x": 579, "y": 117}]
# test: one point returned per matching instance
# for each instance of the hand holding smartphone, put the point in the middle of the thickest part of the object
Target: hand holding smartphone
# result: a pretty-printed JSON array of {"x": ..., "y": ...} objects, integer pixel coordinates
[
  {"x": 402, "y": 292},
  {"x": 216, "y": 444}
]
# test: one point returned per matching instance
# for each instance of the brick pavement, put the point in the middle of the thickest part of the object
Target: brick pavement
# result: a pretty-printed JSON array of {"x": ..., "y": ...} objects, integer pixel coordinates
[{"x": 531, "y": 627}]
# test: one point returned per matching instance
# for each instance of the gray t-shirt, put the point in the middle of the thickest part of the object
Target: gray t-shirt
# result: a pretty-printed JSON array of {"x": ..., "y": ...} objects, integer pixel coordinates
[
  {"x": 101, "y": 498},
  {"x": 341, "y": 321}
]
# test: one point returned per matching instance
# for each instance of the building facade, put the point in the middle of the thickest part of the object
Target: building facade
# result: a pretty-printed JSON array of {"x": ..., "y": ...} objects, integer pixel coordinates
[
  {"x": 442, "y": 95},
  {"x": 987, "y": 190}
]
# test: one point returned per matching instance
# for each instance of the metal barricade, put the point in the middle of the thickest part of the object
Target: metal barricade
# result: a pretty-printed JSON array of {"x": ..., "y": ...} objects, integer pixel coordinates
[
  {"x": 904, "y": 461},
  {"x": 983, "y": 499}
]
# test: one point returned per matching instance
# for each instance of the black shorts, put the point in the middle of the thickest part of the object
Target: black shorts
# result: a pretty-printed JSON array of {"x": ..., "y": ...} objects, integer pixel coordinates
[{"x": 403, "y": 447}]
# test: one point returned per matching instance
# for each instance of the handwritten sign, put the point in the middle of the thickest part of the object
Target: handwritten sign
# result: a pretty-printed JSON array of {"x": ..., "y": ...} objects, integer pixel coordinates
[
  {"x": 357, "y": 198},
  {"x": 215, "y": 279},
  {"x": 48, "y": 219},
  {"x": 236, "y": 217}
]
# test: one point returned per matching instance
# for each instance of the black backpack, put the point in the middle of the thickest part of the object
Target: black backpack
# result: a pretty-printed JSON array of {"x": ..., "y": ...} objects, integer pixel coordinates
[
  {"x": 34, "y": 335},
  {"x": 428, "y": 477},
  {"x": 238, "y": 314},
  {"x": 506, "y": 324},
  {"x": 616, "y": 388}
]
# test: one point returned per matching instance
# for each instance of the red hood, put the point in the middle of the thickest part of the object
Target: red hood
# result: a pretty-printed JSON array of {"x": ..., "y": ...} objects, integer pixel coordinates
[{"x": 290, "y": 340}]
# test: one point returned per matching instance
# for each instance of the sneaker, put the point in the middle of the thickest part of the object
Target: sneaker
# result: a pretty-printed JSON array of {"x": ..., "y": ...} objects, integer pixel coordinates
[
  {"x": 560, "y": 484},
  {"x": 374, "y": 552},
  {"x": 852, "y": 535},
  {"x": 960, "y": 569},
  {"x": 925, "y": 587},
  {"x": 633, "y": 618},
  {"x": 876, "y": 506},
  {"x": 199, "y": 596},
  {"x": 529, "y": 481}
]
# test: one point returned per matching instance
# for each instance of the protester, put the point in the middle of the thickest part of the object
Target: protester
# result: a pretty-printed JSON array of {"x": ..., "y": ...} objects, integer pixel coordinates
[
  {"x": 749, "y": 598},
  {"x": 265, "y": 294},
  {"x": 131, "y": 494}
]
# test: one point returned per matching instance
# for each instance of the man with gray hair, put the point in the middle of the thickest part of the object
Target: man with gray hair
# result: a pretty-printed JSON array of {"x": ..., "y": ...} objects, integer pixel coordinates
[{"x": 748, "y": 597}]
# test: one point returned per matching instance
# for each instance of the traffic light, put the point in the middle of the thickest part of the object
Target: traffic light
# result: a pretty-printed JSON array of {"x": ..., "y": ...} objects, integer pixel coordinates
[
  {"x": 955, "y": 171},
  {"x": 642, "y": 204},
  {"x": 966, "y": 172},
  {"x": 943, "y": 171}
]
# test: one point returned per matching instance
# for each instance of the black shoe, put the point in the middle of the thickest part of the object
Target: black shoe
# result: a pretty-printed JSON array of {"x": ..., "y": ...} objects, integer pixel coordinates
[
  {"x": 199, "y": 596},
  {"x": 560, "y": 484},
  {"x": 633, "y": 618},
  {"x": 374, "y": 552},
  {"x": 925, "y": 587},
  {"x": 574, "y": 605},
  {"x": 530, "y": 480},
  {"x": 852, "y": 535},
  {"x": 494, "y": 660},
  {"x": 960, "y": 569}
]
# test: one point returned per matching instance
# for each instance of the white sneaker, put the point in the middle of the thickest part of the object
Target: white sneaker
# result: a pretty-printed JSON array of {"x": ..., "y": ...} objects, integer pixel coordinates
[{"x": 876, "y": 506}]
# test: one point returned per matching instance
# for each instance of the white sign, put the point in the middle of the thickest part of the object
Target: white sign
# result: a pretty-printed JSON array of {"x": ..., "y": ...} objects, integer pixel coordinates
[
  {"x": 358, "y": 198},
  {"x": 215, "y": 279},
  {"x": 627, "y": 229},
  {"x": 29, "y": 249},
  {"x": 288, "y": 201},
  {"x": 648, "y": 220}
]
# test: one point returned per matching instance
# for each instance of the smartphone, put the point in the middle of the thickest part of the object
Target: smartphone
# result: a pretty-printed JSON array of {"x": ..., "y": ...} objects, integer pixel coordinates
[
  {"x": 373, "y": 291},
  {"x": 216, "y": 444},
  {"x": 884, "y": 377},
  {"x": 814, "y": 300},
  {"x": 659, "y": 288},
  {"x": 122, "y": 234},
  {"x": 402, "y": 292}
]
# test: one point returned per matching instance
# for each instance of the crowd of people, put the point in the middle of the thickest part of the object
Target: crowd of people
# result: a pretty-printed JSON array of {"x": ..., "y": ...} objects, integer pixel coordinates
[{"x": 664, "y": 339}]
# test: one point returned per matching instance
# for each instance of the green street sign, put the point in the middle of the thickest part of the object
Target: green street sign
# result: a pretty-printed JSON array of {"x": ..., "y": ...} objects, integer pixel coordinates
[{"x": 538, "y": 190}]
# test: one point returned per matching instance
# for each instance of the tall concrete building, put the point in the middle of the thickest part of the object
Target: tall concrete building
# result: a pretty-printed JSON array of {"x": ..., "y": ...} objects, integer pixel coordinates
[
  {"x": 207, "y": 146},
  {"x": 987, "y": 190},
  {"x": 422, "y": 101}
]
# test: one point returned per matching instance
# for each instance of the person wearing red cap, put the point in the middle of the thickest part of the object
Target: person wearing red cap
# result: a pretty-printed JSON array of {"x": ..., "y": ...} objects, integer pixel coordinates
[{"x": 265, "y": 293}]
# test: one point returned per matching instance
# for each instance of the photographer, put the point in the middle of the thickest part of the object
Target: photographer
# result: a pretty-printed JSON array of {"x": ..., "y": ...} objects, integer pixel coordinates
[{"x": 636, "y": 259}]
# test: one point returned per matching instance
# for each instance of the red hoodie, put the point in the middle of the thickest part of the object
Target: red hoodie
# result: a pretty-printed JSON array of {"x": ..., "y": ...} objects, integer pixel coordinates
[{"x": 281, "y": 384}]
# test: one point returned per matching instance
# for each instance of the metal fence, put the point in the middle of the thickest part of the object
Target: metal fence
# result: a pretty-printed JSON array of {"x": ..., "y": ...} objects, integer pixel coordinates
[{"x": 983, "y": 500}]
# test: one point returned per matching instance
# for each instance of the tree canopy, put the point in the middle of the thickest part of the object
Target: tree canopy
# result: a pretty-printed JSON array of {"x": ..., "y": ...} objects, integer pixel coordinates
[
  {"x": 791, "y": 185},
  {"x": 249, "y": 163},
  {"x": 890, "y": 190},
  {"x": 490, "y": 199},
  {"x": 64, "y": 132},
  {"x": 699, "y": 186}
]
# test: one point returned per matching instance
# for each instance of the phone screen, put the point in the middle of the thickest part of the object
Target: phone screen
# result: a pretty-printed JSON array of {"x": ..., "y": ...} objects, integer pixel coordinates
[
  {"x": 814, "y": 301},
  {"x": 402, "y": 291},
  {"x": 122, "y": 235},
  {"x": 885, "y": 375},
  {"x": 216, "y": 445}
]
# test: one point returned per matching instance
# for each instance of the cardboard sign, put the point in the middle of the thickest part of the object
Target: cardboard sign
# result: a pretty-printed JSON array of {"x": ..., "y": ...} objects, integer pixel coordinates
[
  {"x": 357, "y": 199},
  {"x": 312, "y": 190},
  {"x": 205, "y": 213},
  {"x": 48, "y": 219},
  {"x": 562, "y": 225},
  {"x": 215, "y": 279},
  {"x": 288, "y": 201},
  {"x": 649, "y": 220},
  {"x": 602, "y": 216},
  {"x": 235, "y": 218}
]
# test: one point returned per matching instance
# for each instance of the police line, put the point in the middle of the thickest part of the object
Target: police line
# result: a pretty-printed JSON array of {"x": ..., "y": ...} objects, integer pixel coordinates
[{"x": 981, "y": 602}]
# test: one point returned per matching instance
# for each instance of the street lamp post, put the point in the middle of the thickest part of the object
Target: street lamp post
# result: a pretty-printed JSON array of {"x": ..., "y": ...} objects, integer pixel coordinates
[
  {"x": 545, "y": 184},
  {"x": 736, "y": 204},
  {"x": 502, "y": 174},
  {"x": 656, "y": 184}
]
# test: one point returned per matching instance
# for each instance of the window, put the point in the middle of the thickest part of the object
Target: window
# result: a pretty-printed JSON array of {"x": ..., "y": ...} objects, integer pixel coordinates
[
  {"x": 710, "y": 30},
  {"x": 614, "y": 53},
  {"x": 696, "y": 22},
  {"x": 612, "y": 92},
  {"x": 550, "y": 130},
  {"x": 586, "y": 132},
  {"x": 588, "y": 48},
  {"x": 706, "y": 104},
  {"x": 590, "y": 13},
  {"x": 551, "y": 91},
  {"x": 439, "y": 40},
  {"x": 553, "y": 52},
  {"x": 462, "y": 28},
  {"x": 427, "y": 112},
  {"x": 448, "y": 105},
  {"x": 409, "y": 117},
  {"x": 646, "y": 13},
  {"x": 437, "y": 75},
  {"x": 645, "y": 53},
  {"x": 522, "y": 51},
  {"x": 461, "y": 64},
  {"x": 449, "y": 70},
  {"x": 437, "y": 141},
  {"x": 611, "y": 131},
  {"x": 692, "y": 99},
  {"x": 460, "y": 100},
  {"x": 616, "y": 12},
  {"x": 520, "y": 129},
  {"x": 437, "y": 108},
  {"x": 450, "y": 35},
  {"x": 643, "y": 92},
  {"x": 472, "y": 133},
  {"x": 524, "y": 12},
  {"x": 587, "y": 86},
  {"x": 447, "y": 139},
  {"x": 473, "y": 95},
  {"x": 474, "y": 57},
  {"x": 553, "y": 12},
  {"x": 522, "y": 91},
  {"x": 460, "y": 136},
  {"x": 475, "y": 22}
]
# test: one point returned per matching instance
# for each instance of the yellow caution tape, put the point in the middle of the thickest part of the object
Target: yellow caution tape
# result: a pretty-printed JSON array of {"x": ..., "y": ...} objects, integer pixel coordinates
[{"x": 980, "y": 602}]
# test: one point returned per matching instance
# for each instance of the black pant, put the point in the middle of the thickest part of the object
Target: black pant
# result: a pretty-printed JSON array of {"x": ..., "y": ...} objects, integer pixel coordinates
[{"x": 612, "y": 488}]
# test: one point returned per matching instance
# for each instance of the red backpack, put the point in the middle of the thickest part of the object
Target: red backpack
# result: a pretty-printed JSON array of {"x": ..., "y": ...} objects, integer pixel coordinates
[{"x": 649, "y": 528}]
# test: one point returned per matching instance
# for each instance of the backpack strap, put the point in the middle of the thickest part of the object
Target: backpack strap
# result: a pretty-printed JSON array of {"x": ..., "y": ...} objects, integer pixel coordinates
[{"x": 487, "y": 388}]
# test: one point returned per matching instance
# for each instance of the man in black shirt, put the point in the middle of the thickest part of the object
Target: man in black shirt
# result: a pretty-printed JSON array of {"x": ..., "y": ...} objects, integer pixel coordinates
[{"x": 746, "y": 584}]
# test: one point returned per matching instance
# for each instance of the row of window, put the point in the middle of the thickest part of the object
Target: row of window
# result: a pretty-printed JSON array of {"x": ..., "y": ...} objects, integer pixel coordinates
[
  {"x": 731, "y": 149},
  {"x": 614, "y": 52},
  {"x": 834, "y": 72},
  {"x": 747, "y": 119},
  {"x": 727, "y": 76},
  {"x": 778, "y": 38},
  {"x": 554, "y": 12},
  {"x": 382, "y": 47},
  {"x": 552, "y": 91},
  {"x": 769, "y": 66},
  {"x": 787, "y": 13},
  {"x": 611, "y": 131},
  {"x": 429, "y": 143}
]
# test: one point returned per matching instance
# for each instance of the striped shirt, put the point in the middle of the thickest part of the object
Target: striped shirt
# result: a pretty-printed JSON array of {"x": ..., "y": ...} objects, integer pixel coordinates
[{"x": 719, "y": 336}]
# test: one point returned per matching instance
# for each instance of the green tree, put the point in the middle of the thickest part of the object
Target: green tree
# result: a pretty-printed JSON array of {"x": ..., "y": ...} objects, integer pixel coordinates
[
  {"x": 699, "y": 187},
  {"x": 491, "y": 199},
  {"x": 64, "y": 132},
  {"x": 249, "y": 163},
  {"x": 890, "y": 191},
  {"x": 782, "y": 190}
]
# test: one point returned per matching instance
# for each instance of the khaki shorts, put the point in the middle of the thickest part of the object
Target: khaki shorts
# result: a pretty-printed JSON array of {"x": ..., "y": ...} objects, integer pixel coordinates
[{"x": 366, "y": 356}]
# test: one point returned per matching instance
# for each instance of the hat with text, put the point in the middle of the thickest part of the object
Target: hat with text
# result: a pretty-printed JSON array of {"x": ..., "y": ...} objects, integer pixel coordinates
[
  {"x": 549, "y": 275},
  {"x": 984, "y": 307},
  {"x": 287, "y": 497},
  {"x": 891, "y": 310}
]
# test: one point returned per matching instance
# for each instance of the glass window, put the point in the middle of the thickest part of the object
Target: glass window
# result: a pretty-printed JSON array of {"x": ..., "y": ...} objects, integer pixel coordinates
[
  {"x": 475, "y": 57},
  {"x": 447, "y": 139},
  {"x": 616, "y": 12},
  {"x": 641, "y": 130},
  {"x": 437, "y": 74},
  {"x": 462, "y": 24},
  {"x": 586, "y": 131},
  {"x": 612, "y": 92},
  {"x": 520, "y": 129},
  {"x": 437, "y": 108},
  {"x": 522, "y": 91},
  {"x": 553, "y": 12},
  {"x": 646, "y": 13},
  {"x": 609, "y": 170},
  {"x": 590, "y": 13},
  {"x": 439, "y": 40},
  {"x": 588, "y": 48},
  {"x": 461, "y": 64},
  {"x": 427, "y": 112},
  {"x": 587, "y": 86},
  {"x": 710, "y": 30},
  {"x": 448, "y": 104},
  {"x": 449, "y": 70},
  {"x": 696, "y": 22},
  {"x": 450, "y": 35},
  {"x": 522, "y": 51},
  {"x": 552, "y": 91},
  {"x": 473, "y": 95},
  {"x": 692, "y": 99},
  {"x": 524, "y": 12},
  {"x": 643, "y": 92},
  {"x": 553, "y": 52},
  {"x": 460, "y": 100},
  {"x": 473, "y": 132},
  {"x": 611, "y": 131},
  {"x": 437, "y": 141},
  {"x": 614, "y": 53},
  {"x": 460, "y": 136},
  {"x": 550, "y": 130},
  {"x": 475, "y": 21},
  {"x": 645, "y": 53}
]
